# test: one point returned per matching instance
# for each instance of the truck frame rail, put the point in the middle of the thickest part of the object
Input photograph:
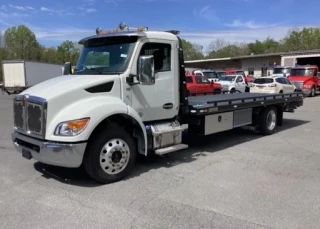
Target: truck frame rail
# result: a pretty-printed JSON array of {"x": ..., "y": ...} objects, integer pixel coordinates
[{"x": 200, "y": 105}]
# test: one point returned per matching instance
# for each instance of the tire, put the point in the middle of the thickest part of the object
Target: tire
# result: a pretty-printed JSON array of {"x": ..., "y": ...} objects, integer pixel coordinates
[
  {"x": 281, "y": 92},
  {"x": 111, "y": 155},
  {"x": 312, "y": 93},
  {"x": 268, "y": 119},
  {"x": 233, "y": 91},
  {"x": 217, "y": 92}
]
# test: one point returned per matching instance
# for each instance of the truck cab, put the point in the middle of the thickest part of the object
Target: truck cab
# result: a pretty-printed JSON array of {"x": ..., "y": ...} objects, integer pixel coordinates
[
  {"x": 209, "y": 74},
  {"x": 281, "y": 71},
  {"x": 306, "y": 79}
]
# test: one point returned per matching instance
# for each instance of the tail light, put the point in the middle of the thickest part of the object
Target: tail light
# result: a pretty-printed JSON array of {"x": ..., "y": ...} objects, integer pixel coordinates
[{"x": 272, "y": 85}]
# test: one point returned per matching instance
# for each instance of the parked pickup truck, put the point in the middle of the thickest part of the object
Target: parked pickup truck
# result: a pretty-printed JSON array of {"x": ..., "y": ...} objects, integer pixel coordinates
[
  {"x": 211, "y": 75},
  {"x": 233, "y": 83},
  {"x": 201, "y": 85},
  {"x": 129, "y": 99},
  {"x": 306, "y": 79}
]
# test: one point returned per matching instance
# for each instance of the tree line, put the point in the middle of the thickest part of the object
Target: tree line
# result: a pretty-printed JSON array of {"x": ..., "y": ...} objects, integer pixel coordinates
[{"x": 20, "y": 43}]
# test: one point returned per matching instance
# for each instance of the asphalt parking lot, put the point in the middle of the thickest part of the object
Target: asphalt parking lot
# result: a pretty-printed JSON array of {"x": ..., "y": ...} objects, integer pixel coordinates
[{"x": 235, "y": 179}]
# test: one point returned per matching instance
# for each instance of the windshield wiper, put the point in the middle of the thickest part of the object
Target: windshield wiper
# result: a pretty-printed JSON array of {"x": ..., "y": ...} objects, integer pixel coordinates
[{"x": 98, "y": 70}]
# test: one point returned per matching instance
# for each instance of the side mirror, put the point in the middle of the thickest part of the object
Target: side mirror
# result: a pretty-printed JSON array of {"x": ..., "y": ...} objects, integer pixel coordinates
[
  {"x": 146, "y": 70},
  {"x": 67, "y": 68}
]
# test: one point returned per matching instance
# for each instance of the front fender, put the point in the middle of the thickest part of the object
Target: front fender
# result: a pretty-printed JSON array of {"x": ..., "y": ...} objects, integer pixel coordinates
[
  {"x": 97, "y": 108},
  {"x": 132, "y": 113}
]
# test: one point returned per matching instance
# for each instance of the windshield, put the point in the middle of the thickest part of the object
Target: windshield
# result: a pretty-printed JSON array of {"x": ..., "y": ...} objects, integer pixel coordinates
[
  {"x": 263, "y": 81},
  {"x": 202, "y": 79},
  {"x": 301, "y": 72},
  {"x": 210, "y": 75},
  {"x": 220, "y": 74},
  {"x": 240, "y": 73},
  {"x": 281, "y": 70},
  {"x": 227, "y": 78},
  {"x": 107, "y": 55}
]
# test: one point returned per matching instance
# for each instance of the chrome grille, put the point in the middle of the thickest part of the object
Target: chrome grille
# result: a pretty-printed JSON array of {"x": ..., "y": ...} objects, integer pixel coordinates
[
  {"x": 30, "y": 115},
  {"x": 225, "y": 87},
  {"x": 298, "y": 84},
  {"x": 18, "y": 114}
]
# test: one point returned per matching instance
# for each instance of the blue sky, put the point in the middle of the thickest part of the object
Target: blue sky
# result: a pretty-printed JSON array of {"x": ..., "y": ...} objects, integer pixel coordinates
[{"x": 199, "y": 21}]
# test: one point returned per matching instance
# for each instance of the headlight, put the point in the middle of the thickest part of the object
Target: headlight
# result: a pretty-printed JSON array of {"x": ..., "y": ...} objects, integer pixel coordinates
[
  {"x": 71, "y": 128},
  {"x": 307, "y": 86}
]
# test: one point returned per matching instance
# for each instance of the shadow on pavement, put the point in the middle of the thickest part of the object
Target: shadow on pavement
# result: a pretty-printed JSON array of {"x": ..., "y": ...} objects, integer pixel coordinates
[{"x": 208, "y": 144}]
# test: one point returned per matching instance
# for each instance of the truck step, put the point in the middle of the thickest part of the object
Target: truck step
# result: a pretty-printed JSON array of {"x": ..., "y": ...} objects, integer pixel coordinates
[{"x": 171, "y": 149}]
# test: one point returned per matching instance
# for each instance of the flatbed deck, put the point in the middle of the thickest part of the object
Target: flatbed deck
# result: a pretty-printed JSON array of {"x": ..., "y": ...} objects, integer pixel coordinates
[{"x": 226, "y": 102}]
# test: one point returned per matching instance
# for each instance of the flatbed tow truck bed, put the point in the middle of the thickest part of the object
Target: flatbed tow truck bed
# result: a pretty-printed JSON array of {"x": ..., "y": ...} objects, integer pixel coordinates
[
  {"x": 217, "y": 113},
  {"x": 200, "y": 105}
]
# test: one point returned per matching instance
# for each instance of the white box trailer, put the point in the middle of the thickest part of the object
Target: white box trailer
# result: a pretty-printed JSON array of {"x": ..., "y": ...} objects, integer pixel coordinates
[{"x": 19, "y": 75}]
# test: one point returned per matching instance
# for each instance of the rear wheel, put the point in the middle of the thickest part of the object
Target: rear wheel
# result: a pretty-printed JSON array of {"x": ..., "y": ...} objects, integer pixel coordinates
[
  {"x": 281, "y": 92},
  {"x": 268, "y": 120},
  {"x": 111, "y": 155}
]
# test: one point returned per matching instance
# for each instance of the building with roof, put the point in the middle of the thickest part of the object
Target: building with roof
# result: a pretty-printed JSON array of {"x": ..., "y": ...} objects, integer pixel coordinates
[{"x": 259, "y": 64}]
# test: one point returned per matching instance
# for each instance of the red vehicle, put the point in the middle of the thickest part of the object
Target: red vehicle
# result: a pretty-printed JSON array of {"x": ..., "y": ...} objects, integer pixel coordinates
[
  {"x": 201, "y": 85},
  {"x": 306, "y": 79}
]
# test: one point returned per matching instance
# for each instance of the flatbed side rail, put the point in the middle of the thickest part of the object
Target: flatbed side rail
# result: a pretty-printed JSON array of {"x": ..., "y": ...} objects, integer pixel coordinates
[{"x": 290, "y": 100}]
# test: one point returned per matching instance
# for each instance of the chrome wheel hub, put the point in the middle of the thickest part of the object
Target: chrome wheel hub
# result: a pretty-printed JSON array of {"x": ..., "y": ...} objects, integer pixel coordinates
[
  {"x": 271, "y": 120},
  {"x": 114, "y": 156}
]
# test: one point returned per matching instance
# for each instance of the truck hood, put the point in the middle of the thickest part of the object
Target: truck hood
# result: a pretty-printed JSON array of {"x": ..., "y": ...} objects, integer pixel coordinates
[
  {"x": 300, "y": 78},
  {"x": 66, "y": 84}
]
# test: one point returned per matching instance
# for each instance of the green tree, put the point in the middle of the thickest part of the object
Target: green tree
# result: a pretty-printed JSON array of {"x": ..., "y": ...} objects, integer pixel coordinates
[
  {"x": 49, "y": 55},
  {"x": 21, "y": 43},
  {"x": 221, "y": 48},
  {"x": 267, "y": 46},
  {"x": 299, "y": 40},
  {"x": 191, "y": 51},
  {"x": 68, "y": 52}
]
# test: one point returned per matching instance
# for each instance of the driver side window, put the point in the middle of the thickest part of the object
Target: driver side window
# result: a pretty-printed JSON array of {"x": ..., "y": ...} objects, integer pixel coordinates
[
  {"x": 161, "y": 53},
  {"x": 239, "y": 79}
]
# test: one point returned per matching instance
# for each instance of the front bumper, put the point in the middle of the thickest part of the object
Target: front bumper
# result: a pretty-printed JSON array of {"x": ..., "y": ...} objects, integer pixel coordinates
[
  {"x": 305, "y": 91},
  {"x": 51, "y": 153}
]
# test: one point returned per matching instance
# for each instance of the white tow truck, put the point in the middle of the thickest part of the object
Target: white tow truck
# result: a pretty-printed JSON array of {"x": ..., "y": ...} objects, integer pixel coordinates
[{"x": 128, "y": 96}]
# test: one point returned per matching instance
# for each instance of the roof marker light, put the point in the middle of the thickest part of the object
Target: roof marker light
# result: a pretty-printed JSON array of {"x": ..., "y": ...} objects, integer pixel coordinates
[{"x": 121, "y": 27}]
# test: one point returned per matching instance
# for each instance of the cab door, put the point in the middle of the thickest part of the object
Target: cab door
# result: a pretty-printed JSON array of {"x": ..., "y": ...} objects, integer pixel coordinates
[
  {"x": 240, "y": 84},
  {"x": 160, "y": 100}
]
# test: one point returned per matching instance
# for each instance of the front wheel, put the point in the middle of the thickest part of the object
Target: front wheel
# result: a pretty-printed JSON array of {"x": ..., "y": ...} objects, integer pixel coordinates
[
  {"x": 111, "y": 155},
  {"x": 312, "y": 93},
  {"x": 233, "y": 90}
]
